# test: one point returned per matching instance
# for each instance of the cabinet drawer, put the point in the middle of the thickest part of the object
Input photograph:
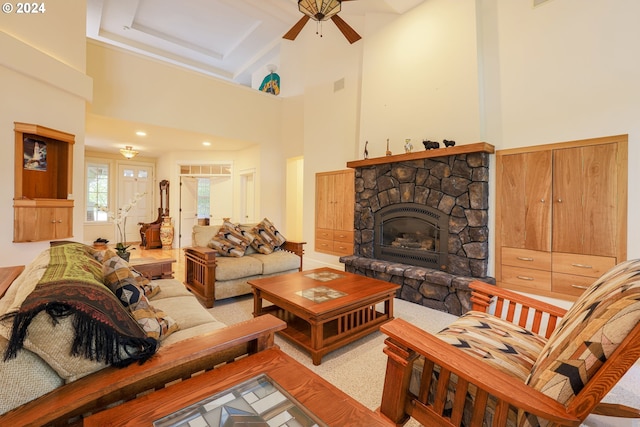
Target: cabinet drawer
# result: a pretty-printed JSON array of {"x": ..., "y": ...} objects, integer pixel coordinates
[
  {"x": 526, "y": 258},
  {"x": 324, "y": 245},
  {"x": 324, "y": 234},
  {"x": 570, "y": 284},
  {"x": 342, "y": 248},
  {"x": 343, "y": 236},
  {"x": 582, "y": 265},
  {"x": 526, "y": 277}
]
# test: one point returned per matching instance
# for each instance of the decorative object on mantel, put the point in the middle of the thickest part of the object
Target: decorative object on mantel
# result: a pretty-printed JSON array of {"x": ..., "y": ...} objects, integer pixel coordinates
[
  {"x": 430, "y": 145},
  {"x": 128, "y": 152},
  {"x": 366, "y": 151},
  {"x": 388, "y": 153},
  {"x": 448, "y": 143},
  {"x": 408, "y": 146},
  {"x": 475, "y": 147}
]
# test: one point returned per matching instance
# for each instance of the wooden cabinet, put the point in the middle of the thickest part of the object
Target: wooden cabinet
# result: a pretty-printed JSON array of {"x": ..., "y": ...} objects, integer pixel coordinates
[
  {"x": 560, "y": 215},
  {"x": 335, "y": 200},
  {"x": 42, "y": 184}
]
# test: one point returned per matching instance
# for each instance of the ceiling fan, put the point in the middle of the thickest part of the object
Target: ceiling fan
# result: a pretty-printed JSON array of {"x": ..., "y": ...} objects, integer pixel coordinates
[{"x": 322, "y": 10}]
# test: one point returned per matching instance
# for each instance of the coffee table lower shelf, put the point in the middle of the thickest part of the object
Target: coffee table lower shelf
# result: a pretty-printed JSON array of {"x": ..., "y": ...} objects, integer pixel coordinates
[{"x": 333, "y": 333}]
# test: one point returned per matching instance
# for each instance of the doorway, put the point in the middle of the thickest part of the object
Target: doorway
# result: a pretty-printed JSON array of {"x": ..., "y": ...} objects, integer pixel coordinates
[{"x": 134, "y": 179}]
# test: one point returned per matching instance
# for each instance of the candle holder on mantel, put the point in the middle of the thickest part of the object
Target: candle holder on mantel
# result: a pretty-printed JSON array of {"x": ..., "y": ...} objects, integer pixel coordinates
[{"x": 388, "y": 153}]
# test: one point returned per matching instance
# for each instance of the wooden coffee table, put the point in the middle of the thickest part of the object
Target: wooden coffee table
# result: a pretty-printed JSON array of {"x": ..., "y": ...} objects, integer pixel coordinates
[
  {"x": 325, "y": 309},
  {"x": 332, "y": 406}
]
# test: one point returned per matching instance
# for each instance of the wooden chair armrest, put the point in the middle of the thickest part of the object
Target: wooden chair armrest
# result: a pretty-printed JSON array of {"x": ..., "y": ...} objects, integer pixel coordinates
[
  {"x": 513, "y": 307},
  {"x": 295, "y": 247},
  {"x": 407, "y": 341},
  {"x": 201, "y": 251},
  {"x": 170, "y": 364}
]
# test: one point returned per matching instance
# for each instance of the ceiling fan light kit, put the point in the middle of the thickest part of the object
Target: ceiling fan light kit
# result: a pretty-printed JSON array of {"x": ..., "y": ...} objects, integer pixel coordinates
[
  {"x": 322, "y": 10},
  {"x": 319, "y": 10}
]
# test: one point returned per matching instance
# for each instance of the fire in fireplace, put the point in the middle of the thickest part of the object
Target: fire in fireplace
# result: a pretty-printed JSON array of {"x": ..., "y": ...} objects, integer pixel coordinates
[{"x": 413, "y": 234}]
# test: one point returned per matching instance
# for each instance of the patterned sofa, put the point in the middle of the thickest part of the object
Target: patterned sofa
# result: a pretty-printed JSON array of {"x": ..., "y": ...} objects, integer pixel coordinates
[
  {"x": 225, "y": 257},
  {"x": 80, "y": 329}
]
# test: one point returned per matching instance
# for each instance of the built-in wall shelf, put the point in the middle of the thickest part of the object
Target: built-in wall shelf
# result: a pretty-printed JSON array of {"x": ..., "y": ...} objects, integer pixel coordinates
[
  {"x": 478, "y": 147},
  {"x": 43, "y": 206}
]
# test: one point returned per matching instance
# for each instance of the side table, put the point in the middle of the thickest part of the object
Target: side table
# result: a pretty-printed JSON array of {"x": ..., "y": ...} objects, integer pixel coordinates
[
  {"x": 8, "y": 275},
  {"x": 154, "y": 268}
]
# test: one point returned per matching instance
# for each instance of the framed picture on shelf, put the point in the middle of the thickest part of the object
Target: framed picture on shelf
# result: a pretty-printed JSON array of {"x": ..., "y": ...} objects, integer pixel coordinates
[{"x": 35, "y": 154}]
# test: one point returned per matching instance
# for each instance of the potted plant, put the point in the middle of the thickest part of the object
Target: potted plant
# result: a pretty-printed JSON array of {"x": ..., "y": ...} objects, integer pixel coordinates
[{"x": 122, "y": 248}]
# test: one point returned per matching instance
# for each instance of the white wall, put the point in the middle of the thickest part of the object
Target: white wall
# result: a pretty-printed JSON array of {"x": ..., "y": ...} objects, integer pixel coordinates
[{"x": 42, "y": 81}]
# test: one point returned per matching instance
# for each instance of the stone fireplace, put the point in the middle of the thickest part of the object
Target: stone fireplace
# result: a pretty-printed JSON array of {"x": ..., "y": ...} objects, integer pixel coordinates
[{"x": 421, "y": 221}]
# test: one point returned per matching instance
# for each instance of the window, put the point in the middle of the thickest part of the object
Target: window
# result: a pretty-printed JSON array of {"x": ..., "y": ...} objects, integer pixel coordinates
[
  {"x": 204, "y": 197},
  {"x": 97, "y": 192}
]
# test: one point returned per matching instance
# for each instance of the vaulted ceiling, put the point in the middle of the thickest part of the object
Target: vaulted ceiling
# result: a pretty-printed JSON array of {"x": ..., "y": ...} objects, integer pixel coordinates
[{"x": 228, "y": 39}]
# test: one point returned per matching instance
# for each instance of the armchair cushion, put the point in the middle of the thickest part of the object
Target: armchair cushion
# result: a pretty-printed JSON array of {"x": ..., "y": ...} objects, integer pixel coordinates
[
  {"x": 508, "y": 347},
  {"x": 589, "y": 333}
]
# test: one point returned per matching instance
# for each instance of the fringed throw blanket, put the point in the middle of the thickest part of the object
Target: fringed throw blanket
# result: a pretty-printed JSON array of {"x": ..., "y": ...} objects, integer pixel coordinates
[{"x": 72, "y": 285}]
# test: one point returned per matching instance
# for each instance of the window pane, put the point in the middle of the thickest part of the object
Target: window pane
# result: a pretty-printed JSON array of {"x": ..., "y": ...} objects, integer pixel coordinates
[
  {"x": 97, "y": 201},
  {"x": 204, "y": 201}
]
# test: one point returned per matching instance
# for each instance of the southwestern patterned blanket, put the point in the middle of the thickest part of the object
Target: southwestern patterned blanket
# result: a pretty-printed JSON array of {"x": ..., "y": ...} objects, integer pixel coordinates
[{"x": 72, "y": 286}]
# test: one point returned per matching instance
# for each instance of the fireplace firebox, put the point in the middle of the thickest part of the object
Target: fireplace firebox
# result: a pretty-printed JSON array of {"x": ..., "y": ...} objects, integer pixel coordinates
[{"x": 411, "y": 233}]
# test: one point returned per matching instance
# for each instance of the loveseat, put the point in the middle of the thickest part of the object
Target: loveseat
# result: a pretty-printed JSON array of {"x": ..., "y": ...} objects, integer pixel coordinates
[
  {"x": 66, "y": 356},
  {"x": 225, "y": 257}
]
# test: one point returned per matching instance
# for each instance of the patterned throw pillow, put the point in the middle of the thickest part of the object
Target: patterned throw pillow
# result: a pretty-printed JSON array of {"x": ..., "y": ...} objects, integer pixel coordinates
[
  {"x": 589, "y": 333},
  {"x": 267, "y": 237},
  {"x": 115, "y": 269},
  {"x": 133, "y": 291},
  {"x": 231, "y": 240}
]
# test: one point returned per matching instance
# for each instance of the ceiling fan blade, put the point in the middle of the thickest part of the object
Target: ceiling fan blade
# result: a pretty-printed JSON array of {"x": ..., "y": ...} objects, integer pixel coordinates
[
  {"x": 295, "y": 30},
  {"x": 346, "y": 29}
]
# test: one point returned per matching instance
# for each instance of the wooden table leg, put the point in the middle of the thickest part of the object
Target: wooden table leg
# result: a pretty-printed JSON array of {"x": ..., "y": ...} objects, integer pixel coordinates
[{"x": 257, "y": 303}]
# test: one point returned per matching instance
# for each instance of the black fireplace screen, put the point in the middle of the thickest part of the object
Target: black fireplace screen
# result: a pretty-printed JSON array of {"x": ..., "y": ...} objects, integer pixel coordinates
[{"x": 412, "y": 234}]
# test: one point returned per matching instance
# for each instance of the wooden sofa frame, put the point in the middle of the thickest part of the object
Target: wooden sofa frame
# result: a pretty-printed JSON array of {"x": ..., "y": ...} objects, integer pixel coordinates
[
  {"x": 406, "y": 343},
  {"x": 67, "y": 405},
  {"x": 200, "y": 269}
]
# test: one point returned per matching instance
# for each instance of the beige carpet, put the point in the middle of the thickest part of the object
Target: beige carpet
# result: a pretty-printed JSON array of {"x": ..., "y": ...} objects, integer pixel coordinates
[{"x": 358, "y": 369}]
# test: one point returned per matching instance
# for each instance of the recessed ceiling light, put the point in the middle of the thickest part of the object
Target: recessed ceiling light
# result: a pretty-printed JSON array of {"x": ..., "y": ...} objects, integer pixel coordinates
[
  {"x": 206, "y": 143},
  {"x": 141, "y": 133}
]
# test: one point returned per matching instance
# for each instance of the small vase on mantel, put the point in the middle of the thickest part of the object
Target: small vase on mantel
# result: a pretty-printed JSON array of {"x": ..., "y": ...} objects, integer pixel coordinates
[{"x": 166, "y": 233}]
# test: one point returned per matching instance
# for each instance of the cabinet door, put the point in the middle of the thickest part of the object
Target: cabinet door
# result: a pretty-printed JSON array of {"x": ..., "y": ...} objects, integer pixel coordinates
[
  {"x": 525, "y": 212},
  {"x": 325, "y": 203},
  {"x": 584, "y": 200},
  {"x": 344, "y": 197},
  {"x": 63, "y": 222}
]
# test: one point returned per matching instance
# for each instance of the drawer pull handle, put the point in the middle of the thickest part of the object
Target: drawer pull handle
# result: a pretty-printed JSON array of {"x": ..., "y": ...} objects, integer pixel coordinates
[
  {"x": 579, "y": 287},
  {"x": 581, "y": 265},
  {"x": 525, "y": 278},
  {"x": 524, "y": 258}
]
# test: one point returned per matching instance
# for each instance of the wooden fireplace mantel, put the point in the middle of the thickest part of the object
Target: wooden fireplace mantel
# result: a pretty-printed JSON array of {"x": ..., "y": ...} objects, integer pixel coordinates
[{"x": 478, "y": 147}]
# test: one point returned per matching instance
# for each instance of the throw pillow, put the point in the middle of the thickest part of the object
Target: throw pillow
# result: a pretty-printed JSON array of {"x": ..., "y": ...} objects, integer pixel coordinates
[
  {"x": 115, "y": 269},
  {"x": 231, "y": 240},
  {"x": 267, "y": 237}
]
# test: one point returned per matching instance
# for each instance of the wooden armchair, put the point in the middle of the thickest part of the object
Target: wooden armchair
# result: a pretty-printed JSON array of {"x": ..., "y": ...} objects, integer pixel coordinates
[{"x": 530, "y": 364}]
